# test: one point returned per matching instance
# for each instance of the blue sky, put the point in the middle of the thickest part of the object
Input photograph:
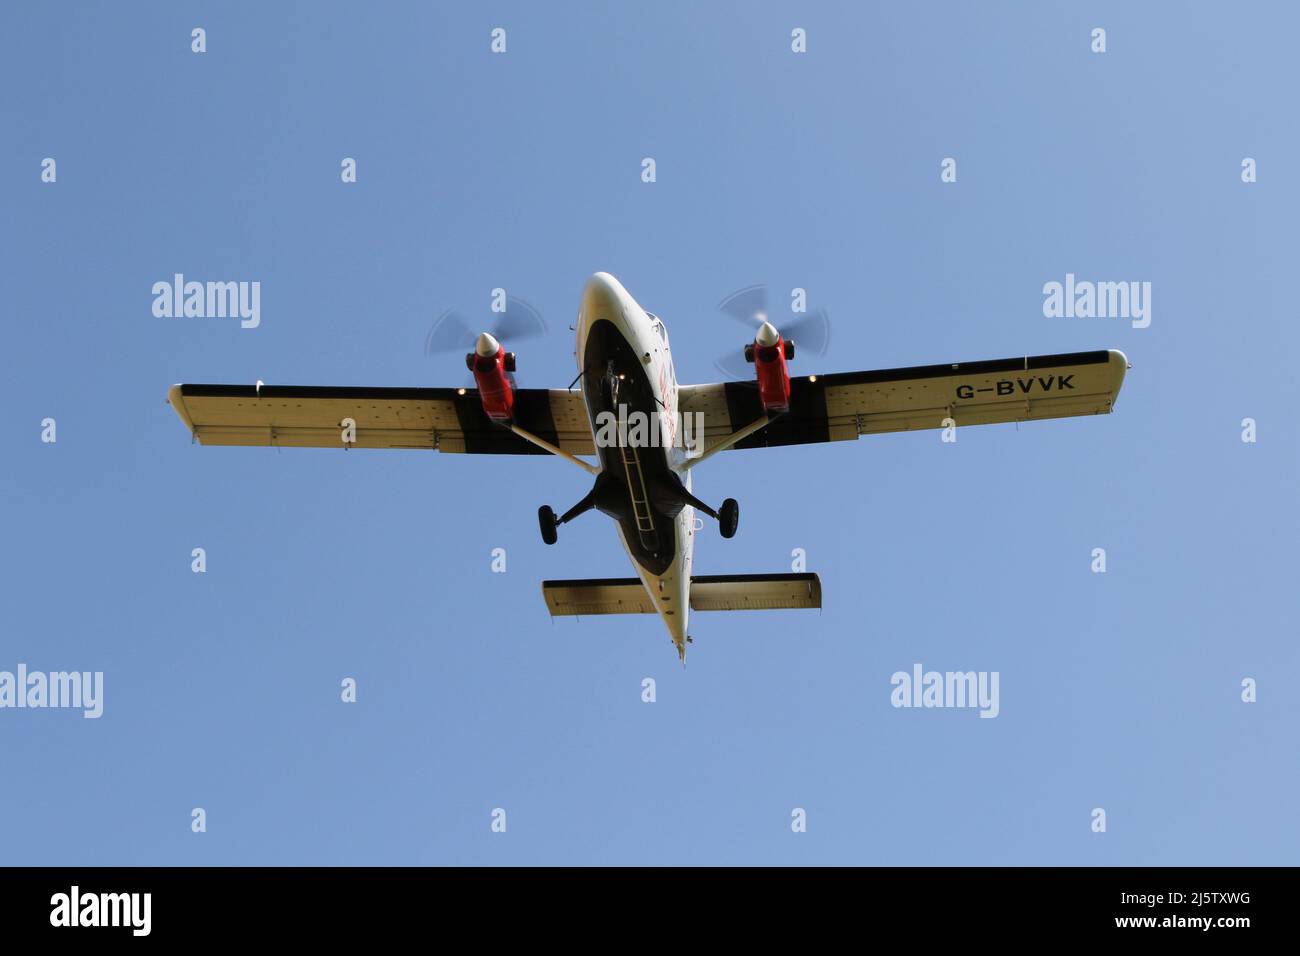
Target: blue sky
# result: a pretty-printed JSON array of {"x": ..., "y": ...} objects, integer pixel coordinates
[{"x": 1118, "y": 690}]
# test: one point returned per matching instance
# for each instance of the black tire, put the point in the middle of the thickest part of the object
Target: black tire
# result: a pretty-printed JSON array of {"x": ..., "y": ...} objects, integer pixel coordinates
[
  {"x": 729, "y": 517},
  {"x": 546, "y": 519}
]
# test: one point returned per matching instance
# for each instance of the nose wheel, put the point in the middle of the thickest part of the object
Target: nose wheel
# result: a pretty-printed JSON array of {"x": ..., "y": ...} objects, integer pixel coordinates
[{"x": 729, "y": 517}]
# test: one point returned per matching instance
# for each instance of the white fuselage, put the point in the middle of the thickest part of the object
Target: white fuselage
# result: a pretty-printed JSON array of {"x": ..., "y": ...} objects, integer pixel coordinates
[{"x": 605, "y": 299}]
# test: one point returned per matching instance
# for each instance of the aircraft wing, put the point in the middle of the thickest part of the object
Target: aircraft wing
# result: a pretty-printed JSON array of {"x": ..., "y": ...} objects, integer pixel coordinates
[
  {"x": 441, "y": 419},
  {"x": 844, "y": 405}
]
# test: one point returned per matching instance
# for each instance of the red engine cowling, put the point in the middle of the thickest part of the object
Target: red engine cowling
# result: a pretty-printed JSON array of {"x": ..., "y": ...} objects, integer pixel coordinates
[
  {"x": 769, "y": 354},
  {"x": 490, "y": 362}
]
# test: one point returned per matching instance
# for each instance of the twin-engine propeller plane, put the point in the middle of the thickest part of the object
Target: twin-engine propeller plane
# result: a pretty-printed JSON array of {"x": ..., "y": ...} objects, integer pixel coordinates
[{"x": 648, "y": 434}]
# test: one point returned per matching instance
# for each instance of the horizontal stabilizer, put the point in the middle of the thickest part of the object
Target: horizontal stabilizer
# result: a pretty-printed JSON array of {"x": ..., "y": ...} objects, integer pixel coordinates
[
  {"x": 597, "y": 596},
  {"x": 755, "y": 592},
  {"x": 710, "y": 592}
]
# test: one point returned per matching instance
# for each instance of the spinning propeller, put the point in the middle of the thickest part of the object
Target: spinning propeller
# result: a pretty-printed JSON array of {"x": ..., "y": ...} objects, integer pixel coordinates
[
  {"x": 452, "y": 333},
  {"x": 810, "y": 331}
]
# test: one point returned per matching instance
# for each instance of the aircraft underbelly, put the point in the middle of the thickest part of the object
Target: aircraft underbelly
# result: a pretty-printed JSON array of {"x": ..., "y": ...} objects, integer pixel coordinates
[{"x": 640, "y": 487}]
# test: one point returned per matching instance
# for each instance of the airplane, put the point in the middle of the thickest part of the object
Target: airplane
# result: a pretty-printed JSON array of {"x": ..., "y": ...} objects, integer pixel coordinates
[{"x": 642, "y": 477}]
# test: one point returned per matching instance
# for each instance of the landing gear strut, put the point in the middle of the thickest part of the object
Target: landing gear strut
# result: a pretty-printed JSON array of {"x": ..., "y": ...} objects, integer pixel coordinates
[
  {"x": 728, "y": 516},
  {"x": 550, "y": 524},
  {"x": 667, "y": 498}
]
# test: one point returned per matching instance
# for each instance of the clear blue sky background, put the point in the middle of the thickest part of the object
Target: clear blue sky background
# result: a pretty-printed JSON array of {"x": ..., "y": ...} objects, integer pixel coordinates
[{"x": 1119, "y": 691}]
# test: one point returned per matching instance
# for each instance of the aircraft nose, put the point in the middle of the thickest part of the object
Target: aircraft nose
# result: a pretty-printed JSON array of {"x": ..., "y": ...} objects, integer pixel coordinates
[
  {"x": 602, "y": 298},
  {"x": 487, "y": 346}
]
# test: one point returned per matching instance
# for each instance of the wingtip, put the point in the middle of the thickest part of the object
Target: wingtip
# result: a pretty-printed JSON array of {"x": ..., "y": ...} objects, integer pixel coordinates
[{"x": 176, "y": 399}]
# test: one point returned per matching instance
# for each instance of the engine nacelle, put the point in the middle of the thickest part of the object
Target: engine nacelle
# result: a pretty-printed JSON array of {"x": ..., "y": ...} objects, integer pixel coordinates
[
  {"x": 769, "y": 353},
  {"x": 490, "y": 363}
]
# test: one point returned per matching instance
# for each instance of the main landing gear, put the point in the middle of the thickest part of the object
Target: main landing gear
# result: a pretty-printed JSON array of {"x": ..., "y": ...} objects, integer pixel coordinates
[
  {"x": 546, "y": 518},
  {"x": 550, "y": 524},
  {"x": 728, "y": 516}
]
